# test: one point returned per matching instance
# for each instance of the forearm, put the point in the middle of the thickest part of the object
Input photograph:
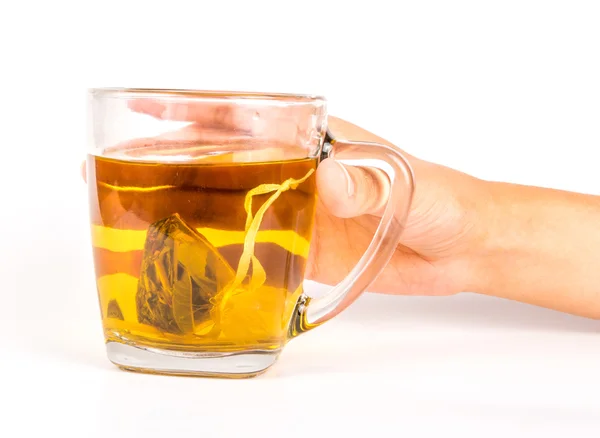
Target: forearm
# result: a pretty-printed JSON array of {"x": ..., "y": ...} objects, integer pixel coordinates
[{"x": 542, "y": 247}]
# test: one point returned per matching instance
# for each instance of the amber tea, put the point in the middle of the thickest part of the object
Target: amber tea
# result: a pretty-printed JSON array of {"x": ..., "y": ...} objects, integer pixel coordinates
[{"x": 201, "y": 255}]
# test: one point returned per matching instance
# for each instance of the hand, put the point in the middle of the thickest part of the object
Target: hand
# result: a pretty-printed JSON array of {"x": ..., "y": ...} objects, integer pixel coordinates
[
  {"x": 443, "y": 227},
  {"x": 434, "y": 258},
  {"x": 529, "y": 244}
]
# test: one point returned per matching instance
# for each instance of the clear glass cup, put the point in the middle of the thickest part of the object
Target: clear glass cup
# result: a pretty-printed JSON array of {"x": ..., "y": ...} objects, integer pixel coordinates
[{"x": 202, "y": 207}]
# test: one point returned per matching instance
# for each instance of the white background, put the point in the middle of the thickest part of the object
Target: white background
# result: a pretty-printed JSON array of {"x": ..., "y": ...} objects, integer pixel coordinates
[{"x": 506, "y": 90}]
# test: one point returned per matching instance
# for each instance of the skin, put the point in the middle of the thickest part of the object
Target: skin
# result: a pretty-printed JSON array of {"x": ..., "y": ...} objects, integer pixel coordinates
[
  {"x": 530, "y": 244},
  {"x": 534, "y": 245}
]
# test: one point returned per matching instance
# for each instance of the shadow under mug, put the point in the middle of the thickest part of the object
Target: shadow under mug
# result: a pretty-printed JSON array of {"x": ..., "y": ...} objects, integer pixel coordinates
[{"x": 202, "y": 208}]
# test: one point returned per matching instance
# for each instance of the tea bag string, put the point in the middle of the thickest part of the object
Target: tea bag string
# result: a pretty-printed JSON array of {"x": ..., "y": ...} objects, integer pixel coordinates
[
  {"x": 259, "y": 275},
  {"x": 253, "y": 224}
]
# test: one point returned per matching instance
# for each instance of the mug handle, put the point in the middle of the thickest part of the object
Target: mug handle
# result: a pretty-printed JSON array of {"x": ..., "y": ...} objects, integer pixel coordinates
[{"x": 312, "y": 312}]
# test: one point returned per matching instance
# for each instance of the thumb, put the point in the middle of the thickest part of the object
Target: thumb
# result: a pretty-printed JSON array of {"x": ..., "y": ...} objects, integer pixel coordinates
[{"x": 350, "y": 191}]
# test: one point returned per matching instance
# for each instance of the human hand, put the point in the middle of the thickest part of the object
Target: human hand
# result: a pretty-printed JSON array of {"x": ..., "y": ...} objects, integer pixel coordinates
[
  {"x": 529, "y": 244},
  {"x": 435, "y": 257},
  {"x": 535, "y": 245},
  {"x": 438, "y": 250}
]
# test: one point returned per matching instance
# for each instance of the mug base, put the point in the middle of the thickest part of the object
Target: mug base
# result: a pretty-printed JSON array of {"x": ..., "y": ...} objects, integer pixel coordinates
[{"x": 239, "y": 365}]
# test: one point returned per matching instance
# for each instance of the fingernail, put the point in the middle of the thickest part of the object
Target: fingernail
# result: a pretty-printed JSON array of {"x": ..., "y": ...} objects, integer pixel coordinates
[{"x": 349, "y": 181}]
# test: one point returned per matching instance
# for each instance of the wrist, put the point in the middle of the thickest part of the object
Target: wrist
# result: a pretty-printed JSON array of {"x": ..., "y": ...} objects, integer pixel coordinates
[
  {"x": 511, "y": 252},
  {"x": 537, "y": 246},
  {"x": 489, "y": 252}
]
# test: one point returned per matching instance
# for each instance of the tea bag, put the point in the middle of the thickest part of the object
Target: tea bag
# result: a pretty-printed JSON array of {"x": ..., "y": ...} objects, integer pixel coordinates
[
  {"x": 230, "y": 298},
  {"x": 186, "y": 286},
  {"x": 181, "y": 273}
]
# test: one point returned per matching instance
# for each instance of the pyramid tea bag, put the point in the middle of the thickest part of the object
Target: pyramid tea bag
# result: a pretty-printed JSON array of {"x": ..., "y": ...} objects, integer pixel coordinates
[{"x": 181, "y": 272}]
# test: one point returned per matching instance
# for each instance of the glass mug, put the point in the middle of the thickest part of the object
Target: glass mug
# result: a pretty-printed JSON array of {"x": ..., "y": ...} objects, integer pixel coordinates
[{"x": 202, "y": 208}]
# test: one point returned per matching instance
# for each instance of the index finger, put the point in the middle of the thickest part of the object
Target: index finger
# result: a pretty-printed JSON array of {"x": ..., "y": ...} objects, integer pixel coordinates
[
  {"x": 217, "y": 115},
  {"x": 235, "y": 115}
]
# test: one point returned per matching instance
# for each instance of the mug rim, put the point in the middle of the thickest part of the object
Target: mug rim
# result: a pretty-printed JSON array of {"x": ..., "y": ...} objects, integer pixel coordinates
[{"x": 189, "y": 93}]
